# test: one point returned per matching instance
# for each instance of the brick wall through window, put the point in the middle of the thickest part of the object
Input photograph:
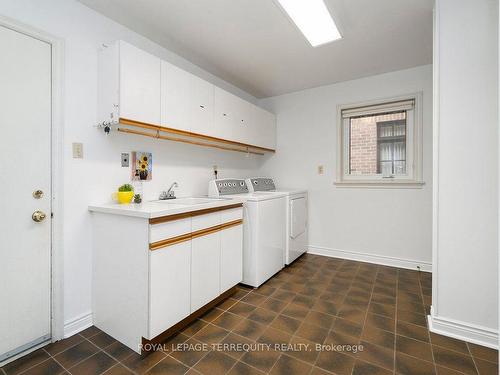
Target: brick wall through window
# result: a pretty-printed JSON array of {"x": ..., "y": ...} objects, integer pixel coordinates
[{"x": 363, "y": 142}]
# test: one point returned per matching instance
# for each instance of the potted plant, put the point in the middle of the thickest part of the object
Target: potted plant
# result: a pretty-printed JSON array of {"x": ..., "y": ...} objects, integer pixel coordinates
[{"x": 125, "y": 194}]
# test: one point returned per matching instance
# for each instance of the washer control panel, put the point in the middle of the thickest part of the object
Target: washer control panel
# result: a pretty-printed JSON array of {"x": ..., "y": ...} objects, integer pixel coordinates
[
  {"x": 228, "y": 186},
  {"x": 262, "y": 184}
]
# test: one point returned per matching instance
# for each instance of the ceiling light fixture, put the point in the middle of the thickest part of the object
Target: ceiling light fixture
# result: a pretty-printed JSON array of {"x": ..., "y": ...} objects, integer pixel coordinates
[{"x": 313, "y": 19}]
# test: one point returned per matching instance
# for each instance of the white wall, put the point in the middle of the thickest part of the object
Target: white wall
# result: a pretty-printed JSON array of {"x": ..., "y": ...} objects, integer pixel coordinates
[
  {"x": 393, "y": 223},
  {"x": 465, "y": 290},
  {"x": 93, "y": 178}
]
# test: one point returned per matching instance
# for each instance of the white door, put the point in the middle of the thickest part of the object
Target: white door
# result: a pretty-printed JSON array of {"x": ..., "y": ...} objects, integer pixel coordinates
[
  {"x": 231, "y": 272},
  {"x": 298, "y": 216},
  {"x": 224, "y": 114},
  {"x": 264, "y": 124},
  {"x": 25, "y": 119},
  {"x": 205, "y": 270},
  {"x": 297, "y": 236},
  {"x": 170, "y": 279},
  {"x": 243, "y": 111},
  {"x": 175, "y": 97},
  {"x": 140, "y": 81},
  {"x": 202, "y": 107},
  {"x": 271, "y": 226}
]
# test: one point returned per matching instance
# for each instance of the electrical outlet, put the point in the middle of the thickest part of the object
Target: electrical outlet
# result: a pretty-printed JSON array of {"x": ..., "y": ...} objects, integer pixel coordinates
[
  {"x": 125, "y": 159},
  {"x": 321, "y": 169},
  {"x": 77, "y": 150}
]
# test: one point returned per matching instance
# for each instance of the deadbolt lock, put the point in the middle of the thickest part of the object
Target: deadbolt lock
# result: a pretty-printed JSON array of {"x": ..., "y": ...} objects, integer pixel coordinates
[{"x": 37, "y": 194}]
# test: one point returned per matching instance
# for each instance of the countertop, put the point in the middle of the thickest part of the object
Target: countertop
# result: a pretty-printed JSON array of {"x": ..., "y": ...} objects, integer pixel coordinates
[{"x": 152, "y": 209}]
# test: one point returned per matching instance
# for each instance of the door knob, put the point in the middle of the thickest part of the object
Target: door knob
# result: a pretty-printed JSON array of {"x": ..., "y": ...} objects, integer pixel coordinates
[{"x": 38, "y": 216}]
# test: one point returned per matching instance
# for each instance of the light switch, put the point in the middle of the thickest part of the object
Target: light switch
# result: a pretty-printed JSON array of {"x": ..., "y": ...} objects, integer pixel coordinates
[
  {"x": 125, "y": 159},
  {"x": 320, "y": 169},
  {"x": 77, "y": 150}
]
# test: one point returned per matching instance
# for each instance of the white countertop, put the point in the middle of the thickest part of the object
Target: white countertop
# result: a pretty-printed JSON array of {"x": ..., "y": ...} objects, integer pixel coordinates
[{"x": 152, "y": 209}]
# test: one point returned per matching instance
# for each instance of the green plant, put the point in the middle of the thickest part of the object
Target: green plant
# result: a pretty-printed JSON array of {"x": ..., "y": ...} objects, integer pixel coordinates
[
  {"x": 126, "y": 187},
  {"x": 137, "y": 198}
]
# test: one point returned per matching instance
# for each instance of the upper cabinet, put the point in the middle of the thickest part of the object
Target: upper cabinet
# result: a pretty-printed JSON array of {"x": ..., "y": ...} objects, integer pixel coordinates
[
  {"x": 201, "y": 106},
  {"x": 187, "y": 101},
  {"x": 138, "y": 88},
  {"x": 175, "y": 97},
  {"x": 264, "y": 123},
  {"x": 129, "y": 84},
  {"x": 225, "y": 115}
]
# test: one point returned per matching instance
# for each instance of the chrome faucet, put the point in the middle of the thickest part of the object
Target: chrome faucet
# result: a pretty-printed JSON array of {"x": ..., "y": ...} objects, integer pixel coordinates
[{"x": 169, "y": 194}]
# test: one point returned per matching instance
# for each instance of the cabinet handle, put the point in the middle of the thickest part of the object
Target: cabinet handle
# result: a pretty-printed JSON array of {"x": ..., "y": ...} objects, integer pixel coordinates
[
  {"x": 224, "y": 114},
  {"x": 202, "y": 106}
]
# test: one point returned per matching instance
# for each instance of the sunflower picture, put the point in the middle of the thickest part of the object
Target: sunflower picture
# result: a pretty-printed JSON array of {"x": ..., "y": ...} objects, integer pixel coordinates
[{"x": 141, "y": 166}]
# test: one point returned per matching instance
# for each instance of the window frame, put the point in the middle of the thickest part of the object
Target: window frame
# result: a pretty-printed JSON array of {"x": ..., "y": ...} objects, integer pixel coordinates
[{"x": 414, "y": 159}]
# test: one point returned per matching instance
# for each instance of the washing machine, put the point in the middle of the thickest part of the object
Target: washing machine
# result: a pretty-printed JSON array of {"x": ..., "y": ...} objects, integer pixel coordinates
[
  {"x": 264, "y": 228},
  {"x": 296, "y": 215}
]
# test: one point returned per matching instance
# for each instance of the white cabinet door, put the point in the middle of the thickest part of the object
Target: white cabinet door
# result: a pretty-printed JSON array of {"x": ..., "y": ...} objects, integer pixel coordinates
[
  {"x": 224, "y": 114},
  {"x": 252, "y": 130},
  {"x": 175, "y": 97},
  {"x": 205, "y": 270},
  {"x": 231, "y": 257},
  {"x": 243, "y": 121},
  {"x": 201, "y": 106},
  {"x": 264, "y": 128},
  {"x": 170, "y": 275},
  {"x": 140, "y": 76}
]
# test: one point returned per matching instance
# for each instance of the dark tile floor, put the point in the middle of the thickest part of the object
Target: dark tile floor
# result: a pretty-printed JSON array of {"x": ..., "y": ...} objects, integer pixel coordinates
[{"x": 336, "y": 304}]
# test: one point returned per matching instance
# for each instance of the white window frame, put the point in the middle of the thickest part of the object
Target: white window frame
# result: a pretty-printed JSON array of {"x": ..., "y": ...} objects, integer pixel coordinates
[{"x": 413, "y": 177}]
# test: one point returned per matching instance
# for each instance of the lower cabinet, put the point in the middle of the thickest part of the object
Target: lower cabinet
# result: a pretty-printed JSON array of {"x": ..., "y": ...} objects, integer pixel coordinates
[
  {"x": 150, "y": 275},
  {"x": 169, "y": 277},
  {"x": 205, "y": 269},
  {"x": 231, "y": 257}
]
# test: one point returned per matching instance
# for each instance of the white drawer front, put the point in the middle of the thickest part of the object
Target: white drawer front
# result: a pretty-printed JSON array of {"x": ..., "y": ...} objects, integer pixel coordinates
[
  {"x": 231, "y": 215},
  {"x": 163, "y": 231},
  {"x": 205, "y": 221}
]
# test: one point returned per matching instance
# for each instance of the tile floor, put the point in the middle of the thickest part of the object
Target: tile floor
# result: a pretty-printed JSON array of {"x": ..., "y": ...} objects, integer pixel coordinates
[{"x": 316, "y": 301}]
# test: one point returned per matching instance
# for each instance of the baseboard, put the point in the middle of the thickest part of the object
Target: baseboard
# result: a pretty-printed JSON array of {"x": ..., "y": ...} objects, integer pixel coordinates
[
  {"x": 463, "y": 331},
  {"x": 78, "y": 324},
  {"x": 371, "y": 258}
]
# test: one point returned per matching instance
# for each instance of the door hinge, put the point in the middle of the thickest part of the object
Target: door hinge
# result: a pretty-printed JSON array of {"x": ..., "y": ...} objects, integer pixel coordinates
[{"x": 51, "y": 215}]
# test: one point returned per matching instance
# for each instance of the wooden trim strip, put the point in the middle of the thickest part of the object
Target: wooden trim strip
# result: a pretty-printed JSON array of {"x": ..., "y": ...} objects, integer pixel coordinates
[
  {"x": 184, "y": 215},
  {"x": 233, "y": 223},
  {"x": 147, "y": 349},
  {"x": 170, "y": 241},
  {"x": 217, "y": 228},
  {"x": 157, "y": 136},
  {"x": 189, "y": 236},
  {"x": 144, "y": 125}
]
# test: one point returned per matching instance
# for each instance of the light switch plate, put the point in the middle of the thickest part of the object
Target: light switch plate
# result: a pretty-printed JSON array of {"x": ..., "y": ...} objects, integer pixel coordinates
[
  {"x": 125, "y": 159},
  {"x": 321, "y": 169},
  {"x": 77, "y": 150}
]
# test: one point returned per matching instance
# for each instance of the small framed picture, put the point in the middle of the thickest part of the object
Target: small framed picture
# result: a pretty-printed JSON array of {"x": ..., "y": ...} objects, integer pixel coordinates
[{"x": 141, "y": 166}]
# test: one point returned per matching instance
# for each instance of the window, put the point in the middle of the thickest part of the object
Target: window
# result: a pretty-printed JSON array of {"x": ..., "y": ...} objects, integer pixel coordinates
[{"x": 380, "y": 143}]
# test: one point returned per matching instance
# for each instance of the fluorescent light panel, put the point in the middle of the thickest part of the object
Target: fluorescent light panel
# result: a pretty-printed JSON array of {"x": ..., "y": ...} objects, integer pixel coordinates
[{"x": 313, "y": 19}]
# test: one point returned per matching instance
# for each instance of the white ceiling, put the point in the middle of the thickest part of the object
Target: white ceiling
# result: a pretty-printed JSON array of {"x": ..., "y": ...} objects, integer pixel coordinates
[{"x": 253, "y": 45}]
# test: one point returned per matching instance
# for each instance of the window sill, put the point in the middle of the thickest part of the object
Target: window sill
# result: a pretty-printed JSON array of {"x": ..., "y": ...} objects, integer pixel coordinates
[{"x": 391, "y": 184}]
